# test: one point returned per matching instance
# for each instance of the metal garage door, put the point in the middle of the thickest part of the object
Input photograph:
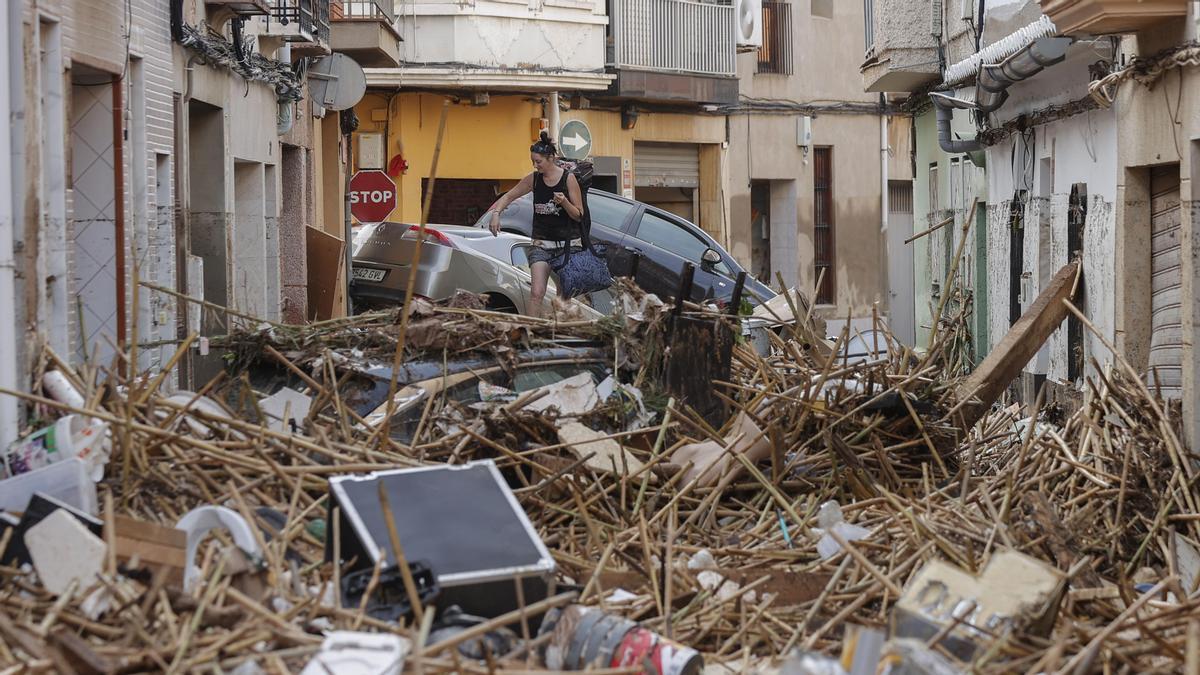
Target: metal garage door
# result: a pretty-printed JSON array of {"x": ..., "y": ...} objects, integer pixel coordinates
[
  {"x": 666, "y": 165},
  {"x": 1166, "y": 341}
]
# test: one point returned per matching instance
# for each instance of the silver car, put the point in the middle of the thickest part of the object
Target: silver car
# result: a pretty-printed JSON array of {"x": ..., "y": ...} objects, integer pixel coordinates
[{"x": 453, "y": 258}]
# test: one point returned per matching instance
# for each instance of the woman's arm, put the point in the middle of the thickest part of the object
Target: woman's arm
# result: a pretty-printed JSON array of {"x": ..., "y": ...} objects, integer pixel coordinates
[{"x": 519, "y": 190}]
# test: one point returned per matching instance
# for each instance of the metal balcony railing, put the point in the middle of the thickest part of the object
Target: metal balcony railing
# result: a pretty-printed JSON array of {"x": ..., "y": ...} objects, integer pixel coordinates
[
  {"x": 682, "y": 36},
  {"x": 869, "y": 27},
  {"x": 364, "y": 10},
  {"x": 310, "y": 16}
]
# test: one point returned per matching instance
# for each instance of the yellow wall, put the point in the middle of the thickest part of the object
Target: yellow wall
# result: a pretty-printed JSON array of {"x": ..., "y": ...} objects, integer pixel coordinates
[{"x": 492, "y": 141}]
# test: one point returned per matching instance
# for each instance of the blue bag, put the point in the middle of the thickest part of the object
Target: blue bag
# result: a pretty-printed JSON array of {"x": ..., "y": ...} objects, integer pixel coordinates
[{"x": 582, "y": 269}]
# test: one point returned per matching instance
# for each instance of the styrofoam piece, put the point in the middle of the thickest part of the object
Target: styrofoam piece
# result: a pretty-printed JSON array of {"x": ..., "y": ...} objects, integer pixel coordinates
[
  {"x": 285, "y": 402},
  {"x": 200, "y": 521},
  {"x": 353, "y": 653},
  {"x": 64, "y": 550},
  {"x": 67, "y": 481}
]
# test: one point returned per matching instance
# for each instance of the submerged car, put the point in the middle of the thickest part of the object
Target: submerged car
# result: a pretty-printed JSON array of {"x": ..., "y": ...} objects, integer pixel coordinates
[
  {"x": 653, "y": 245},
  {"x": 453, "y": 258}
]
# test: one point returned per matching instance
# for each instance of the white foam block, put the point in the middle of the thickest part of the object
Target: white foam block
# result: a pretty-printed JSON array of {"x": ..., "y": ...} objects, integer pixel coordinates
[{"x": 63, "y": 549}]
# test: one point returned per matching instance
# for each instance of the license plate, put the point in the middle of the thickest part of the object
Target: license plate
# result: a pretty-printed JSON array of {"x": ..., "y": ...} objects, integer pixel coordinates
[{"x": 369, "y": 274}]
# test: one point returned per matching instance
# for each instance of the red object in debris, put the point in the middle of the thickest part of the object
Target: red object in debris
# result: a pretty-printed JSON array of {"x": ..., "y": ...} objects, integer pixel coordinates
[
  {"x": 372, "y": 196},
  {"x": 642, "y": 647}
]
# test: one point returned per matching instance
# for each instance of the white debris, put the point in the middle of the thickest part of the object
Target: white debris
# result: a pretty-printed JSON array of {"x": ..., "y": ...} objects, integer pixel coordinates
[
  {"x": 620, "y": 596},
  {"x": 352, "y": 653},
  {"x": 65, "y": 550},
  {"x": 285, "y": 408},
  {"x": 829, "y": 517},
  {"x": 702, "y": 560}
]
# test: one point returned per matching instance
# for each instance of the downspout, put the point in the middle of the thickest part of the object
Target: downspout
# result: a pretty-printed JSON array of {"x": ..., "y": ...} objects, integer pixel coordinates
[
  {"x": 286, "y": 117},
  {"x": 10, "y": 28},
  {"x": 944, "y": 106},
  {"x": 119, "y": 207}
]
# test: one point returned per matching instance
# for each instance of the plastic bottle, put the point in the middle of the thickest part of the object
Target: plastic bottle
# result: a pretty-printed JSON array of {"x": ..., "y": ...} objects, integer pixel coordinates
[
  {"x": 70, "y": 436},
  {"x": 56, "y": 384}
]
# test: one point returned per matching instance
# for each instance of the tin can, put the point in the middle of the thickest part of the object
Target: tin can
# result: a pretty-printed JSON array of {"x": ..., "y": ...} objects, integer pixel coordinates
[
  {"x": 656, "y": 654},
  {"x": 586, "y": 638}
]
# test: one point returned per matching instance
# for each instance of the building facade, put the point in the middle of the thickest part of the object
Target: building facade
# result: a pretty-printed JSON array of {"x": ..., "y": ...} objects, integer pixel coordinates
[
  {"x": 150, "y": 145},
  {"x": 812, "y": 160},
  {"x": 1072, "y": 157}
]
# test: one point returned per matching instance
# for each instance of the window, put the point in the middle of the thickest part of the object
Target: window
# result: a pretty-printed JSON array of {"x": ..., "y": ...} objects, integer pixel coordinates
[
  {"x": 610, "y": 213},
  {"x": 1076, "y": 221},
  {"x": 823, "y": 224},
  {"x": 775, "y": 54},
  {"x": 673, "y": 237}
]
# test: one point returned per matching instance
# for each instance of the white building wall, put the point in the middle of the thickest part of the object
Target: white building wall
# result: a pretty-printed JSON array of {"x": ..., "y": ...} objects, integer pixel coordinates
[{"x": 1047, "y": 162}]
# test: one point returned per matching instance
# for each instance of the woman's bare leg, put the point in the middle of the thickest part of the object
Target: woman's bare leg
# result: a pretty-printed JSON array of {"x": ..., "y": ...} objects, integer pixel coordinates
[{"x": 537, "y": 292}]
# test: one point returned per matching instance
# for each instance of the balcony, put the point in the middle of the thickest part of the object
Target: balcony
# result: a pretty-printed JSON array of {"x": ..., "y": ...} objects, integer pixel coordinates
[
  {"x": 674, "y": 50},
  {"x": 499, "y": 45},
  {"x": 366, "y": 31},
  {"x": 304, "y": 23},
  {"x": 1108, "y": 17},
  {"x": 901, "y": 48}
]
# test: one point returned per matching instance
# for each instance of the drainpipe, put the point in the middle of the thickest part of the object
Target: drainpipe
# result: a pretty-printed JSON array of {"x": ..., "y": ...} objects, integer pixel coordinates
[
  {"x": 119, "y": 208},
  {"x": 554, "y": 120},
  {"x": 10, "y": 28},
  {"x": 883, "y": 164},
  {"x": 944, "y": 106},
  {"x": 991, "y": 90}
]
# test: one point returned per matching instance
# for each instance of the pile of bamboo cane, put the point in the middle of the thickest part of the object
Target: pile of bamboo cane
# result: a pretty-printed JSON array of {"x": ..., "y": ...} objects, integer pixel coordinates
[{"x": 1108, "y": 496}]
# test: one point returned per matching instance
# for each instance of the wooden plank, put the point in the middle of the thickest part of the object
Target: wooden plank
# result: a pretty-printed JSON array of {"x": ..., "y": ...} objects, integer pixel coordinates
[
  {"x": 325, "y": 265},
  {"x": 1023, "y": 340}
]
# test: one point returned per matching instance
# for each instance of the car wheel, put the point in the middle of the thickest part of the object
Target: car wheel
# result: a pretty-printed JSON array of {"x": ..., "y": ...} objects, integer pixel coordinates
[{"x": 499, "y": 303}]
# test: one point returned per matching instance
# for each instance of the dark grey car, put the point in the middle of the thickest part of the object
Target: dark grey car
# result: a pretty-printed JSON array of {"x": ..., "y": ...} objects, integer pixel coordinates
[{"x": 660, "y": 241}]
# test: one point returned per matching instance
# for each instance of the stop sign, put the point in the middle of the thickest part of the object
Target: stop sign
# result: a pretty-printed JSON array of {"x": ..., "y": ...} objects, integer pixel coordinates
[{"x": 372, "y": 196}]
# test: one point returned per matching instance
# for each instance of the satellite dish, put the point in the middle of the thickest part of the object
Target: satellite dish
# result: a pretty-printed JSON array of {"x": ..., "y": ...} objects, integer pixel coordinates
[{"x": 336, "y": 82}]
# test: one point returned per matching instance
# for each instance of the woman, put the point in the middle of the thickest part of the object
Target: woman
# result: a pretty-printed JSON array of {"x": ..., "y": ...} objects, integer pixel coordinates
[{"x": 557, "y": 210}]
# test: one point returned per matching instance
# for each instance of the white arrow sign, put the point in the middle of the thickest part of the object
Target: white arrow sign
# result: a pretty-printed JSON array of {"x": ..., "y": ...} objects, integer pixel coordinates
[{"x": 575, "y": 142}]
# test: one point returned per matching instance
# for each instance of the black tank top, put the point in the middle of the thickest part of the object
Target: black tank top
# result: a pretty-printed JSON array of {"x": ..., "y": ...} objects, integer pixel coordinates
[{"x": 550, "y": 221}]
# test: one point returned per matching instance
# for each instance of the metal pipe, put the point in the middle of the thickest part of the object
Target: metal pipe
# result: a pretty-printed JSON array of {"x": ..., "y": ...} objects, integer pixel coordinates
[
  {"x": 995, "y": 79},
  {"x": 11, "y": 68},
  {"x": 946, "y": 140},
  {"x": 119, "y": 206},
  {"x": 554, "y": 123}
]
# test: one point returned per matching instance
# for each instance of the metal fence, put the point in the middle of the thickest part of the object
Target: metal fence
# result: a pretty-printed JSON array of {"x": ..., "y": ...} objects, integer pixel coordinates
[
  {"x": 311, "y": 17},
  {"x": 356, "y": 10},
  {"x": 869, "y": 26},
  {"x": 674, "y": 35},
  {"x": 775, "y": 54}
]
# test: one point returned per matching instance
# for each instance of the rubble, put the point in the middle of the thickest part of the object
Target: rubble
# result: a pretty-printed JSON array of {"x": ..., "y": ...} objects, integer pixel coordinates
[{"x": 729, "y": 562}]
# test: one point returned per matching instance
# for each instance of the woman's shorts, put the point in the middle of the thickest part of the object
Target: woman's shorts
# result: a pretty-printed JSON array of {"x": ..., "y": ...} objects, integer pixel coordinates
[{"x": 547, "y": 252}]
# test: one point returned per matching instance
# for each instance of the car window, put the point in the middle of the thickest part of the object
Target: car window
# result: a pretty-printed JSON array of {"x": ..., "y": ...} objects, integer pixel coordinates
[
  {"x": 520, "y": 256},
  {"x": 674, "y": 237},
  {"x": 610, "y": 213}
]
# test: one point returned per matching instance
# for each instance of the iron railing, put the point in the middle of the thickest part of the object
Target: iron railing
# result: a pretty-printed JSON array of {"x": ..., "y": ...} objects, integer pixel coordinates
[
  {"x": 364, "y": 10},
  {"x": 311, "y": 17},
  {"x": 683, "y": 36},
  {"x": 823, "y": 221},
  {"x": 775, "y": 54},
  {"x": 869, "y": 27}
]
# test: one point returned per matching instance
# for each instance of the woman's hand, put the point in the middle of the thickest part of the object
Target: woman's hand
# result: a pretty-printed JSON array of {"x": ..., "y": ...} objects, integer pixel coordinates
[
  {"x": 561, "y": 199},
  {"x": 494, "y": 225}
]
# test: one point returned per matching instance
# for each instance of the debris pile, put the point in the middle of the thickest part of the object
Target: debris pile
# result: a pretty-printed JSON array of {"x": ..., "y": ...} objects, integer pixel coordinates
[{"x": 826, "y": 513}]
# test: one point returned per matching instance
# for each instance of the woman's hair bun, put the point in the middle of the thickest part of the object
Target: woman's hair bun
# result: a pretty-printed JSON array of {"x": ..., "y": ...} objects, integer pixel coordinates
[{"x": 544, "y": 146}]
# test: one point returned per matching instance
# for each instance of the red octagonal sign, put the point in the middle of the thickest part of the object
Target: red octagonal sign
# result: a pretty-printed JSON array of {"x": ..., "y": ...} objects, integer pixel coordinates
[{"x": 372, "y": 196}]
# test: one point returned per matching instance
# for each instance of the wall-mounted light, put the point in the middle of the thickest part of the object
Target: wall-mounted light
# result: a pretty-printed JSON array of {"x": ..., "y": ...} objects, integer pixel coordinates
[{"x": 629, "y": 116}]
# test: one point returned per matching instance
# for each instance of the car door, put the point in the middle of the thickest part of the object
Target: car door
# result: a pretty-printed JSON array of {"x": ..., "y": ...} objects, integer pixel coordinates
[
  {"x": 665, "y": 245},
  {"x": 610, "y": 220}
]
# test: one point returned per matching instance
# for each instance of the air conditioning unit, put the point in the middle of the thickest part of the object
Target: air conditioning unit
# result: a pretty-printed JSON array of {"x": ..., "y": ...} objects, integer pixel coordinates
[{"x": 748, "y": 18}]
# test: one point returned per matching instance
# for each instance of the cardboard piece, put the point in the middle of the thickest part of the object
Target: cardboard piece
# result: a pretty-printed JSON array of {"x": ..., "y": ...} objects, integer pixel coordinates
[
  {"x": 585, "y": 441},
  {"x": 1013, "y": 589}
]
